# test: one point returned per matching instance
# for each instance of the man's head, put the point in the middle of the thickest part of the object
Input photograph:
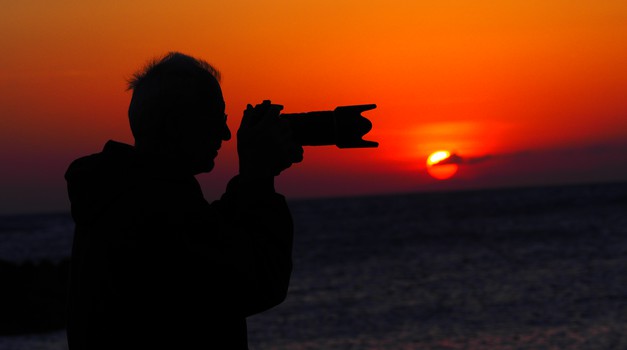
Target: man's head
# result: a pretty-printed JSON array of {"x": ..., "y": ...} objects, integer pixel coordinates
[{"x": 177, "y": 112}]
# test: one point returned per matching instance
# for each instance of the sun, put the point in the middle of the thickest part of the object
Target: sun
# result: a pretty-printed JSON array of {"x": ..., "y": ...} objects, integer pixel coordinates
[{"x": 441, "y": 171}]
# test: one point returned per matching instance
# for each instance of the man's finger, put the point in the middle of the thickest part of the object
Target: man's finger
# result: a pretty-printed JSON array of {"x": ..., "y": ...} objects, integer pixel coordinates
[
  {"x": 248, "y": 117},
  {"x": 297, "y": 154}
]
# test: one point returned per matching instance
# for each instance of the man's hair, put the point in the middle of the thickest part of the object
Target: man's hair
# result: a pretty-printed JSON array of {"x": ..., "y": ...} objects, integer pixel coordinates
[
  {"x": 162, "y": 92},
  {"x": 172, "y": 62}
]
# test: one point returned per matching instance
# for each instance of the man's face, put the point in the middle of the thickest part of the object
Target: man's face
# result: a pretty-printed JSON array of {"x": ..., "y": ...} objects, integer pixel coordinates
[{"x": 203, "y": 136}]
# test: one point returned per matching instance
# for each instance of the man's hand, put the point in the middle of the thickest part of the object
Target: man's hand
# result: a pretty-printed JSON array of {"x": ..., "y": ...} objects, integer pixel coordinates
[{"x": 264, "y": 142}]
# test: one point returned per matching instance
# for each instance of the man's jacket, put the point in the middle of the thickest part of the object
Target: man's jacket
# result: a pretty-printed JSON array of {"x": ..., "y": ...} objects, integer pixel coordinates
[{"x": 154, "y": 264}]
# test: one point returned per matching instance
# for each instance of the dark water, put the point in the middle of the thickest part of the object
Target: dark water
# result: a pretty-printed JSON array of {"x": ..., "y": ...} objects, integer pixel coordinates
[{"x": 533, "y": 268}]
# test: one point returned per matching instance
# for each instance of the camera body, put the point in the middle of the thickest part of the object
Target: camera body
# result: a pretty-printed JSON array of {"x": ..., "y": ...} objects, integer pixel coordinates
[{"x": 343, "y": 127}]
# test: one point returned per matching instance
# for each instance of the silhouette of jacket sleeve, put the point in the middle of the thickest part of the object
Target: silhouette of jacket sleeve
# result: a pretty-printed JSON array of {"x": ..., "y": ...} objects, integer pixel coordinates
[{"x": 252, "y": 247}]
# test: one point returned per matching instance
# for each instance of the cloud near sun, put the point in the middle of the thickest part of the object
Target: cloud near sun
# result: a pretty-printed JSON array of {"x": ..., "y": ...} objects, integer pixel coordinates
[{"x": 455, "y": 158}]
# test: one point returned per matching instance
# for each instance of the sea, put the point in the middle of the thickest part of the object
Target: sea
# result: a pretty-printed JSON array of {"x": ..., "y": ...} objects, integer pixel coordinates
[{"x": 513, "y": 268}]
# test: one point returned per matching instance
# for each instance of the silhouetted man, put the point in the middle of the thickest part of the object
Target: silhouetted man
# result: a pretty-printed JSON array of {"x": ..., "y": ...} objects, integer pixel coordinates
[{"x": 154, "y": 265}]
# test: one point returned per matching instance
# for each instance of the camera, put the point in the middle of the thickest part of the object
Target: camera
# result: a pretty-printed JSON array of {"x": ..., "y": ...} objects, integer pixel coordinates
[{"x": 343, "y": 127}]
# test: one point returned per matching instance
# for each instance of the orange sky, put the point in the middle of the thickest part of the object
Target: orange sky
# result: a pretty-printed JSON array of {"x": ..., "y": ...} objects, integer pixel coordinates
[{"x": 540, "y": 86}]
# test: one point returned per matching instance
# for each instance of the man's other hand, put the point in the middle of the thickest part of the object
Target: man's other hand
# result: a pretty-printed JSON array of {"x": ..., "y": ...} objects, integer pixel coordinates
[{"x": 265, "y": 144}]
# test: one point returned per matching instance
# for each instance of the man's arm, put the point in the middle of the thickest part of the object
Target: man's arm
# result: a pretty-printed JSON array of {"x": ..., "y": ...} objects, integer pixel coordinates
[
  {"x": 265, "y": 148},
  {"x": 253, "y": 229},
  {"x": 263, "y": 254}
]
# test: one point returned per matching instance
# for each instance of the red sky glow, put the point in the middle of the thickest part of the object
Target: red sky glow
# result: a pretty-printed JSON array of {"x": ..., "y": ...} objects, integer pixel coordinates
[{"x": 536, "y": 90}]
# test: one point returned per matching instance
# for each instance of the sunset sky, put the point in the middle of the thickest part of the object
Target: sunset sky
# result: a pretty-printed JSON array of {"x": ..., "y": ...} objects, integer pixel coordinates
[{"x": 520, "y": 92}]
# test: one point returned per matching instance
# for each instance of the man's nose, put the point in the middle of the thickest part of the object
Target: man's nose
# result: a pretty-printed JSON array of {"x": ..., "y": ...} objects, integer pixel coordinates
[{"x": 226, "y": 133}]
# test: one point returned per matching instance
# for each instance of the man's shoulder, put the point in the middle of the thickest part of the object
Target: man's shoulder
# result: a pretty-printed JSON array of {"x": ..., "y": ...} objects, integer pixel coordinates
[{"x": 112, "y": 151}]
